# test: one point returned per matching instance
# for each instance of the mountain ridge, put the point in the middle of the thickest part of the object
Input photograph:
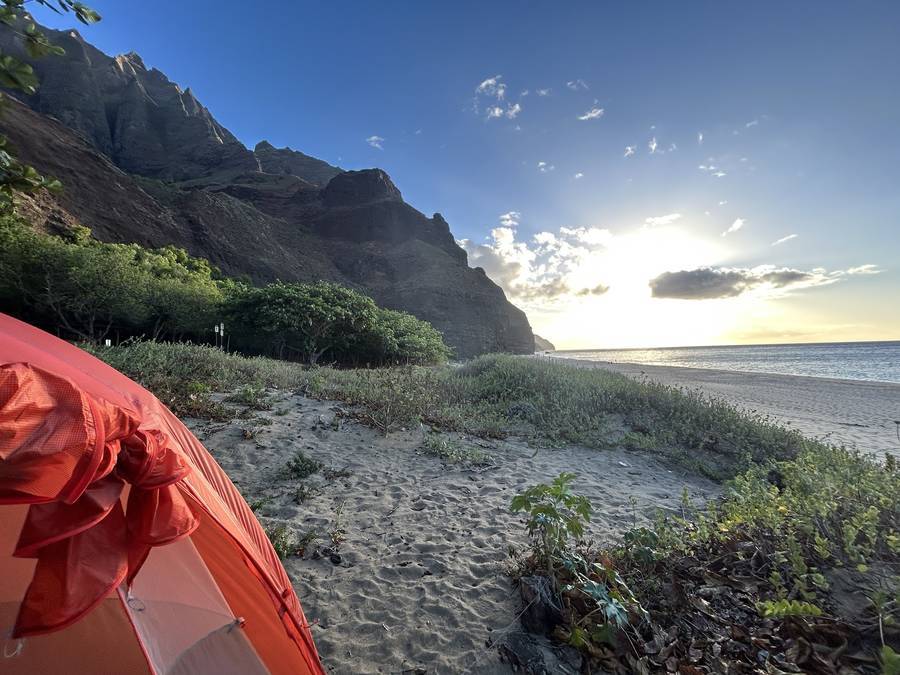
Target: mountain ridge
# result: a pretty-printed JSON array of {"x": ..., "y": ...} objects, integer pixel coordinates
[{"x": 143, "y": 160}]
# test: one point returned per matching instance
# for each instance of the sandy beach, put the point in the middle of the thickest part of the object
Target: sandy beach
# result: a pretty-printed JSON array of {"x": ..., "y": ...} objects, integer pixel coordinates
[
  {"x": 421, "y": 584},
  {"x": 854, "y": 413}
]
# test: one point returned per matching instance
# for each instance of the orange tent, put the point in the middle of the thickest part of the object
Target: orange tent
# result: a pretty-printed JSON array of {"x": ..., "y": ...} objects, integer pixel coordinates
[{"x": 124, "y": 548}]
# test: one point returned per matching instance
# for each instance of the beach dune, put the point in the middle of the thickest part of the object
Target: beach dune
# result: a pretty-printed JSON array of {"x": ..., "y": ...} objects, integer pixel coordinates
[{"x": 853, "y": 413}]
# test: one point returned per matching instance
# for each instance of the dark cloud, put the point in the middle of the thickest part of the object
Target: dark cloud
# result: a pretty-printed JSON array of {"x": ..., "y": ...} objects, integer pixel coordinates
[
  {"x": 699, "y": 284},
  {"x": 546, "y": 289},
  {"x": 599, "y": 289},
  {"x": 707, "y": 282}
]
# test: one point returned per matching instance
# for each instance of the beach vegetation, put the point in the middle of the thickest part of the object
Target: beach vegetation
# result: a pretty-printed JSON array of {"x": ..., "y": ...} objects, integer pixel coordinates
[
  {"x": 452, "y": 451},
  {"x": 331, "y": 473},
  {"x": 772, "y": 572},
  {"x": 555, "y": 515},
  {"x": 388, "y": 399},
  {"x": 304, "y": 492},
  {"x": 251, "y": 396},
  {"x": 300, "y": 466},
  {"x": 307, "y": 540},
  {"x": 282, "y": 539},
  {"x": 493, "y": 396}
]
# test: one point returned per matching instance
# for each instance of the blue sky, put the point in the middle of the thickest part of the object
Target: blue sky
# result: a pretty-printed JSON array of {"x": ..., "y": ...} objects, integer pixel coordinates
[{"x": 798, "y": 105}]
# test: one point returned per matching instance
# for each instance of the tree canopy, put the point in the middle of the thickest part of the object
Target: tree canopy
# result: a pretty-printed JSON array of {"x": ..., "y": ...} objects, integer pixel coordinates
[{"x": 90, "y": 290}]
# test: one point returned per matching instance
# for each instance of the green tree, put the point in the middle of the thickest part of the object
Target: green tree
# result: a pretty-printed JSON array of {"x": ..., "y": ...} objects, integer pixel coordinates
[
  {"x": 17, "y": 75},
  {"x": 84, "y": 287},
  {"x": 306, "y": 319},
  {"x": 402, "y": 338},
  {"x": 182, "y": 298}
]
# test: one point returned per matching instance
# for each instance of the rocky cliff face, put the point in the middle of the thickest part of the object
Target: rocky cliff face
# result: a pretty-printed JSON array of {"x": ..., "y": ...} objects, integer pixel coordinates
[
  {"x": 543, "y": 344},
  {"x": 294, "y": 163},
  {"x": 144, "y": 161}
]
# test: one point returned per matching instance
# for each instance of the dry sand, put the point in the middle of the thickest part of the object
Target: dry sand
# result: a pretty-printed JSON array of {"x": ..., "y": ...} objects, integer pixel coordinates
[
  {"x": 853, "y": 413},
  {"x": 421, "y": 578}
]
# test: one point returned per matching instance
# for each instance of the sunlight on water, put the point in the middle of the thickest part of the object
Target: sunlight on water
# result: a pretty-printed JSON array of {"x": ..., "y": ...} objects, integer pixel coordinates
[{"x": 877, "y": 361}]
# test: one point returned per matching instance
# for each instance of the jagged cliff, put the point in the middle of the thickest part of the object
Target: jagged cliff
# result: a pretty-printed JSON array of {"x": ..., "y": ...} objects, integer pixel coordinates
[{"x": 142, "y": 160}]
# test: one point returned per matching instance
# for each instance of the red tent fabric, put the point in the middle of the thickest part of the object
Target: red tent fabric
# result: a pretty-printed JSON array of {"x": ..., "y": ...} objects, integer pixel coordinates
[{"x": 115, "y": 520}]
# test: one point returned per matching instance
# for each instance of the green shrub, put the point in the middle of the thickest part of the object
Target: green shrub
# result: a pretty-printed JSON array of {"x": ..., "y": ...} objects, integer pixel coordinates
[
  {"x": 781, "y": 535},
  {"x": 453, "y": 452},
  {"x": 300, "y": 466},
  {"x": 252, "y": 397},
  {"x": 282, "y": 540},
  {"x": 555, "y": 514}
]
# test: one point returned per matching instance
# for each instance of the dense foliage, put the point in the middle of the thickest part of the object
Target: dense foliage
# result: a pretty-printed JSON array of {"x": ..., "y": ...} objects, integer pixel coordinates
[
  {"x": 309, "y": 320},
  {"x": 92, "y": 290}
]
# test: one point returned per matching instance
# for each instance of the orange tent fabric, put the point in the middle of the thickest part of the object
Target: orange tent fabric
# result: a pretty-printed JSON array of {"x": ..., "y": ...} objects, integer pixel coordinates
[{"x": 121, "y": 537}]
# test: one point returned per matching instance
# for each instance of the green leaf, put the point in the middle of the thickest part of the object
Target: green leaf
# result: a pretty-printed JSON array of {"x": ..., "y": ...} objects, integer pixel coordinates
[
  {"x": 890, "y": 661},
  {"x": 15, "y": 74}
]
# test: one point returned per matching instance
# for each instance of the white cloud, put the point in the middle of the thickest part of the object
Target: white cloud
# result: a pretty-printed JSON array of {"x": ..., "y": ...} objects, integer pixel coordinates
[
  {"x": 864, "y": 269},
  {"x": 492, "y": 86},
  {"x": 699, "y": 138},
  {"x": 524, "y": 93},
  {"x": 418, "y": 132},
  {"x": 543, "y": 167},
  {"x": 784, "y": 239},
  {"x": 375, "y": 142},
  {"x": 735, "y": 226},
  {"x": 592, "y": 236},
  {"x": 752, "y": 123},
  {"x": 543, "y": 92},
  {"x": 510, "y": 218},
  {"x": 592, "y": 114},
  {"x": 551, "y": 267},
  {"x": 667, "y": 219},
  {"x": 494, "y": 91},
  {"x": 576, "y": 85},
  {"x": 578, "y": 175},
  {"x": 712, "y": 169},
  {"x": 629, "y": 150},
  {"x": 723, "y": 202},
  {"x": 652, "y": 145}
]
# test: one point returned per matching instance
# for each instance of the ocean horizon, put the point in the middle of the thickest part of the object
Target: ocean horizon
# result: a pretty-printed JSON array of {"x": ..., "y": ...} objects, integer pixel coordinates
[{"x": 875, "y": 361}]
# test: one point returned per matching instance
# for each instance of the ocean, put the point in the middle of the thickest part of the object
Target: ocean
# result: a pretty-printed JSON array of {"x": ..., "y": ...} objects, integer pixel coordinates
[{"x": 874, "y": 361}]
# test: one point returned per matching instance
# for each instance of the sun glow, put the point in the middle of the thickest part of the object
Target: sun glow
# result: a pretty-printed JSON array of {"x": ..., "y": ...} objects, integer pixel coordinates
[{"x": 626, "y": 315}]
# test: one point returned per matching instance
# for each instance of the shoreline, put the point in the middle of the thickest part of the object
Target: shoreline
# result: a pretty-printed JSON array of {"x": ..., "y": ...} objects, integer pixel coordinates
[{"x": 854, "y": 413}]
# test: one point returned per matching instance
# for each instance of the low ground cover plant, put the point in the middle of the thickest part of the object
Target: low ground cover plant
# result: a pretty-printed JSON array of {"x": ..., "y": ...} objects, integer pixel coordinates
[
  {"x": 452, "y": 451},
  {"x": 795, "y": 569},
  {"x": 493, "y": 396}
]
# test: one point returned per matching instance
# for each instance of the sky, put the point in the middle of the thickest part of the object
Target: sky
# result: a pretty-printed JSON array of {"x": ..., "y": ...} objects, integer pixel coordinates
[{"x": 632, "y": 174}]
